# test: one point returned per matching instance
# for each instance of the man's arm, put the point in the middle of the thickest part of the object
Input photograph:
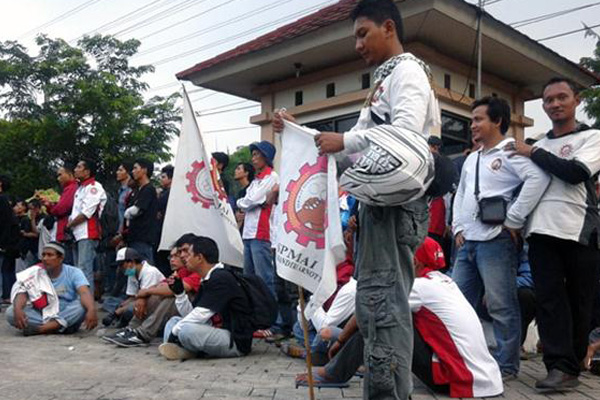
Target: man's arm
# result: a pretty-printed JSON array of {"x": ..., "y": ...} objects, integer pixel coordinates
[
  {"x": 535, "y": 182},
  {"x": 19, "y": 311},
  {"x": 258, "y": 196},
  {"x": 457, "y": 226},
  {"x": 87, "y": 301},
  {"x": 65, "y": 202},
  {"x": 571, "y": 171},
  {"x": 350, "y": 329}
]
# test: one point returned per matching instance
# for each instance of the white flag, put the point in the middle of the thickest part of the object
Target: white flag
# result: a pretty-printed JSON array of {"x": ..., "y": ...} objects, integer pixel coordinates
[
  {"x": 309, "y": 239},
  {"x": 197, "y": 204}
]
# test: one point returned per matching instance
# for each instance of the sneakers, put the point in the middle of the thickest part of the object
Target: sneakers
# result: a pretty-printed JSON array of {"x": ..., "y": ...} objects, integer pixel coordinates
[
  {"x": 171, "y": 351},
  {"x": 508, "y": 376},
  {"x": 557, "y": 380},
  {"x": 126, "y": 338},
  {"x": 108, "y": 320},
  {"x": 120, "y": 333}
]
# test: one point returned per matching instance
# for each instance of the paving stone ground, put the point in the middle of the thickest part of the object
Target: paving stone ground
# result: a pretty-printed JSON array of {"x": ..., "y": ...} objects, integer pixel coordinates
[{"x": 83, "y": 367}]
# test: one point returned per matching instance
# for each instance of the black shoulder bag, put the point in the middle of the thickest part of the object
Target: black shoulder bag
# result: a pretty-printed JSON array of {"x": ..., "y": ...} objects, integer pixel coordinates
[{"x": 492, "y": 210}]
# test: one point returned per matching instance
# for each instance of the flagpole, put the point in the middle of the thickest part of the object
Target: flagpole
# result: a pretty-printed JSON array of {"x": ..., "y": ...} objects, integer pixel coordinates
[{"x": 311, "y": 389}]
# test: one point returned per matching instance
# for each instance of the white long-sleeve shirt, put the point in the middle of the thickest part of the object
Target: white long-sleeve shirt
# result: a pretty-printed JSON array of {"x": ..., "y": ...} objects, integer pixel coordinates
[
  {"x": 191, "y": 314},
  {"x": 89, "y": 201},
  {"x": 258, "y": 216},
  {"x": 341, "y": 308},
  {"x": 404, "y": 100},
  {"x": 499, "y": 175}
]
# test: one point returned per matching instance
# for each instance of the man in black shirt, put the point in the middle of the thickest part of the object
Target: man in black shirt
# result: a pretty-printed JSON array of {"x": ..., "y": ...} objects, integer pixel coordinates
[
  {"x": 166, "y": 179},
  {"x": 218, "y": 323},
  {"x": 140, "y": 216}
]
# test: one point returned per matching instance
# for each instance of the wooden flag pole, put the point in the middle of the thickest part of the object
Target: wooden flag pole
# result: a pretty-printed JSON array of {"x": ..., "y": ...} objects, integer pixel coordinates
[{"x": 311, "y": 389}]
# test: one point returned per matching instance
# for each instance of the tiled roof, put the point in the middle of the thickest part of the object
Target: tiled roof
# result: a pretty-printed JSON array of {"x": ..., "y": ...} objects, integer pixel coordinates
[{"x": 324, "y": 17}]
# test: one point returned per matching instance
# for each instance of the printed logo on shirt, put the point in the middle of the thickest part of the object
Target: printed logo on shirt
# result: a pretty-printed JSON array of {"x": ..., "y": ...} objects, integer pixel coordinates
[
  {"x": 565, "y": 151},
  {"x": 200, "y": 180},
  {"x": 94, "y": 190},
  {"x": 377, "y": 95},
  {"x": 496, "y": 164},
  {"x": 304, "y": 210}
]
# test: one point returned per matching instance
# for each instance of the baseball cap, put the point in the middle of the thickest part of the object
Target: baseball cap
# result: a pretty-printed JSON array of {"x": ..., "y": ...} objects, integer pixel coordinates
[
  {"x": 430, "y": 253},
  {"x": 128, "y": 254},
  {"x": 266, "y": 149}
]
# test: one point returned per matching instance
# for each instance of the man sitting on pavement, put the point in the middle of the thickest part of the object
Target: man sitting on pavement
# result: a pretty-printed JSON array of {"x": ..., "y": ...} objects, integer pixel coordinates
[
  {"x": 140, "y": 276},
  {"x": 68, "y": 287},
  {"x": 450, "y": 352},
  {"x": 156, "y": 305},
  {"x": 218, "y": 323}
]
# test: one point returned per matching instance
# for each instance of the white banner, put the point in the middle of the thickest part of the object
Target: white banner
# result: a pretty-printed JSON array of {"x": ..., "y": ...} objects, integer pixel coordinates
[
  {"x": 197, "y": 204},
  {"x": 309, "y": 237}
]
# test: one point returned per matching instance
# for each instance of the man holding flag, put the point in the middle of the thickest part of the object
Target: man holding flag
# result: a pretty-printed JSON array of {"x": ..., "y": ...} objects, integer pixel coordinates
[{"x": 400, "y": 108}]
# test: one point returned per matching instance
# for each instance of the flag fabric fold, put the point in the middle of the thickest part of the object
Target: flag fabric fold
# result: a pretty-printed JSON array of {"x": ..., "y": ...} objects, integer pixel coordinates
[
  {"x": 197, "y": 203},
  {"x": 309, "y": 241}
]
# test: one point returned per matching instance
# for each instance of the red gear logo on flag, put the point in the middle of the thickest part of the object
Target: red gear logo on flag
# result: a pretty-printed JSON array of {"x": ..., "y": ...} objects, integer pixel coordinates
[
  {"x": 199, "y": 186},
  {"x": 305, "y": 206}
]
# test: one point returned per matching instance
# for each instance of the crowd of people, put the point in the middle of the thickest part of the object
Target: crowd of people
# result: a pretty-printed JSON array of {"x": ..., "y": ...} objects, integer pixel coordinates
[{"x": 516, "y": 239}]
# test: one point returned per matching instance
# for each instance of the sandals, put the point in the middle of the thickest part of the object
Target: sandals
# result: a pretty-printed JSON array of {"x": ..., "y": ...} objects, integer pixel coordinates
[{"x": 318, "y": 381}]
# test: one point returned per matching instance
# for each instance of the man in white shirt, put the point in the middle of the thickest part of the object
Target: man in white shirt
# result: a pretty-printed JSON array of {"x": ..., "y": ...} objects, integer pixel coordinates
[
  {"x": 400, "y": 109},
  {"x": 84, "y": 221},
  {"x": 564, "y": 235},
  {"x": 487, "y": 257}
]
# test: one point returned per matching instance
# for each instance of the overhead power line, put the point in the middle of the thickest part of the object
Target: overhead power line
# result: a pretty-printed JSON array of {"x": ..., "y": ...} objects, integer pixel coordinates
[
  {"x": 189, "y": 18},
  {"x": 159, "y": 16},
  {"x": 179, "y": 40},
  {"x": 234, "y": 37},
  {"x": 205, "y": 114},
  {"x": 568, "y": 33},
  {"x": 549, "y": 16},
  {"x": 60, "y": 18},
  {"x": 137, "y": 13}
]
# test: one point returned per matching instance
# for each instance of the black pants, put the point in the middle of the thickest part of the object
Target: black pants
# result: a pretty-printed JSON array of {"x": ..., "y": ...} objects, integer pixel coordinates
[
  {"x": 566, "y": 281},
  {"x": 527, "y": 304}
]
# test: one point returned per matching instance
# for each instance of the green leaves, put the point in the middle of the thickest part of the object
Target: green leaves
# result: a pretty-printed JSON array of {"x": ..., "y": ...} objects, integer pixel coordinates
[
  {"x": 592, "y": 95},
  {"x": 71, "y": 102}
]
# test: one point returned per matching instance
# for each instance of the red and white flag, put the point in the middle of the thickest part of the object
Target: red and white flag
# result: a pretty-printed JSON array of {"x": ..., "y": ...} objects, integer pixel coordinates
[
  {"x": 309, "y": 240},
  {"x": 197, "y": 203}
]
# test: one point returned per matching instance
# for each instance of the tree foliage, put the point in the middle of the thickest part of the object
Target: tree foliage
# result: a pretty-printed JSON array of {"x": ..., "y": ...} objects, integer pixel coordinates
[
  {"x": 68, "y": 103},
  {"x": 592, "y": 94},
  {"x": 241, "y": 155}
]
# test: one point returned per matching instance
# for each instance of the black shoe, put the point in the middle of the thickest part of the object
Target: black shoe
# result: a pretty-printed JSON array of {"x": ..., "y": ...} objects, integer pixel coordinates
[
  {"x": 120, "y": 333},
  {"x": 129, "y": 339},
  {"x": 108, "y": 320},
  {"x": 557, "y": 380}
]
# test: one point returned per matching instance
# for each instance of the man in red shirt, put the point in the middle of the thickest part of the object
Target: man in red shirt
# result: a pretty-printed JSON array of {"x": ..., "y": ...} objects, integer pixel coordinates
[{"x": 62, "y": 209}]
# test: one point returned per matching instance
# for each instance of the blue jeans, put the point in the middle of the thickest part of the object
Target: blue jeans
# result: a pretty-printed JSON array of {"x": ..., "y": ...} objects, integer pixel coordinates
[
  {"x": 145, "y": 249},
  {"x": 258, "y": 260},
  {"x": 490, "y": 268},
  {"x": 203, "y": 339},
  {"x": 70, "y": 316},
  {"x": 84, "y": 255},
  {"x": 317, "y": 344}
]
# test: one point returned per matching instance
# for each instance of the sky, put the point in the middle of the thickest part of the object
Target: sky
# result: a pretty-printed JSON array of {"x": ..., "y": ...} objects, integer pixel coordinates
[{"x": 177, "y": 34}]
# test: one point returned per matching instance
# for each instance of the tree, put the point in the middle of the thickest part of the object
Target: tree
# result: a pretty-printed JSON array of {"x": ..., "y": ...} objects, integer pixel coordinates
[
  {"x": 241, "y": 155},
  {"x": 69, "y": 103},
  {"x": 592, "y": 95}
]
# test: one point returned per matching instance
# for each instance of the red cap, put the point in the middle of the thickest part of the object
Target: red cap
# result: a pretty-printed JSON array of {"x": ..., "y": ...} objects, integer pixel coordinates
[{"x": 430, "y": 253}]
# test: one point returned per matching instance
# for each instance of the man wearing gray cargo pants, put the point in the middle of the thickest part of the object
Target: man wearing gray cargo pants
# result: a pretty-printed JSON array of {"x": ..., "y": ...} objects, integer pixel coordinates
[{"x": 399, "y": 113}]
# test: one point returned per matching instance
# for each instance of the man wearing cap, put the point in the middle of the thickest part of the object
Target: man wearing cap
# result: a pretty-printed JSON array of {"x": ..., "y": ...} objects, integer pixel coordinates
[
  {"x": 69, "y": 286},
  {"x": 258, "y": 214},
  {"x": 140, "y": 275}
]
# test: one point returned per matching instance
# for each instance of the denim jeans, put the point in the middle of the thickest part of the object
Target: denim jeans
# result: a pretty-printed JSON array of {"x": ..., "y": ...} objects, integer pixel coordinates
[
  {"x": 70, "y": 316},
  {"x": 84, "y": 255},
  {"x": 203, "y": 339},
  {"x": 258, "y": 260},
  {"x": 145, "y": 249},
  {"x": 317, "y": 344},
  {"x": 489, "y": 268},
  {"x": 388, "y": 238}
]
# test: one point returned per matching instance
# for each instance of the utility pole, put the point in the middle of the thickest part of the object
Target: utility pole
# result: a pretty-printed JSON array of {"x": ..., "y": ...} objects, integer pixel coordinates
[{"x": 479, "y": 23}]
